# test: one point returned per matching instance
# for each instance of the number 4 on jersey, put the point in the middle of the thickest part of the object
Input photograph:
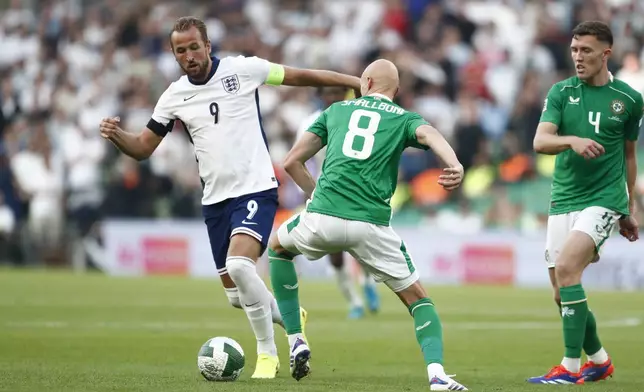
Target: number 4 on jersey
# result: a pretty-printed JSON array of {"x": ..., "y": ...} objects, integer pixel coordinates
[
  {"x": 593, "y": 119},
  {"x": 368, "y": 134}
]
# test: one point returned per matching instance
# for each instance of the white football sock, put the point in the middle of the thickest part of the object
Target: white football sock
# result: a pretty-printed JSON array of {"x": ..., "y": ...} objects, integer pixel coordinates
[
  {"x": 600, "y": 357},
  {"x": 571, "y": 364},
  {"x": 255, "y": 299},
  {"x": 294, "y": 337},
  {"x": 346, "y": 286},
  {"x": 435, "y": 370},
  {"x": 233, "y": 297},
  {"x": 275, "y": 311}
]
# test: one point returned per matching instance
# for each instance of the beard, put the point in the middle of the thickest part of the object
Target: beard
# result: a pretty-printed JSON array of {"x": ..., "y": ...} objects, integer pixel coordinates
[{"x": 199, "y": 73}]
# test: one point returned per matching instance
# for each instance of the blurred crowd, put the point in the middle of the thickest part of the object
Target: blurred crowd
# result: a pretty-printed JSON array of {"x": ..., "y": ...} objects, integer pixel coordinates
[{"x": 478, "y": 70}]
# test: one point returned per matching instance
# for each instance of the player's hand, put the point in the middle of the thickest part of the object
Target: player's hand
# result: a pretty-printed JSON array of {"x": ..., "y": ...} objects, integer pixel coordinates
[
  {"x": 628, "y": 228},
  {"x": 451, "y": 178},
  {"x": 109, "y": 127},
  {"x": 587, "y": 148}
]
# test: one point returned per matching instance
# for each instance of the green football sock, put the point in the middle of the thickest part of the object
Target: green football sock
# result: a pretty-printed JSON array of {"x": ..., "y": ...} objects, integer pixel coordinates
[
  {"x": 285, "y": 288},
  {"x": 574, "y": 312},
  {"x": 592, "y": 344},
  {"x": 429, "y": 332}
]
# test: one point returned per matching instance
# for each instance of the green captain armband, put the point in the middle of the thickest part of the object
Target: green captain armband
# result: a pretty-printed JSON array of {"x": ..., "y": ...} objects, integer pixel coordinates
[{"x": 275, "y": 74}]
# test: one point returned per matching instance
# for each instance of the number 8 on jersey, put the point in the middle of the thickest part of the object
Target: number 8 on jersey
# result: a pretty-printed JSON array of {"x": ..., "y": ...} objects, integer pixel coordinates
[{"x": 355, "y": 130}]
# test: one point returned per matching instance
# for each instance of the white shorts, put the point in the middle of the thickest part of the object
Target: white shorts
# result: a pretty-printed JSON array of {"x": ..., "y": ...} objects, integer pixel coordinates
[
  {"x": 378, "y": 249},
  {"x": 597, "y": 222}
]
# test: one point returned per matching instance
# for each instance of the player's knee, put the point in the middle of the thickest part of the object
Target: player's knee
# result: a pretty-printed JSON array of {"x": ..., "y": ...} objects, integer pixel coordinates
[
  {"x": 568, "y": 274},
  {"x": 572, "y": 261},
  {"x": 239, "y": 267},
  {"x": 274, "y": 245},
  {"x": 233, "y": 298},
  {"x": 245, "y": 245}
]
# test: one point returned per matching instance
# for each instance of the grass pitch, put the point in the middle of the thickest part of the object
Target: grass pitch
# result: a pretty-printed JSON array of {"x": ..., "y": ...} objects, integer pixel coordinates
[{"x": 62, "y": 332}]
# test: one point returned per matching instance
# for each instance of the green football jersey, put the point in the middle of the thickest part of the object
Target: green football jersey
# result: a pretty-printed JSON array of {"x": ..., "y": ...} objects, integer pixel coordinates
[
  {"x": 364, "y": 140},
  {"x": 609, "y": 115}
]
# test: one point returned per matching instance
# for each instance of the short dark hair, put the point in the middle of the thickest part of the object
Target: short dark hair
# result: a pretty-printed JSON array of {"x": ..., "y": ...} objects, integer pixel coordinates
[
  {"x": 599, "y": 30},
  {"x": 185, "y": 23}
]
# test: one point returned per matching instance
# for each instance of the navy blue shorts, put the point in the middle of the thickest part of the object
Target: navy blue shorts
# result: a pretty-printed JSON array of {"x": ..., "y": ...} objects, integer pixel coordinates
[{"x": 252, "y": 214}]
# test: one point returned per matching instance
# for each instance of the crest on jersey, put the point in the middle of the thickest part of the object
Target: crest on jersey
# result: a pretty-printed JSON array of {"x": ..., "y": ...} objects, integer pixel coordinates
[
  {"x": 617, "y": 106},
  {"x": 231, "y": 84}
]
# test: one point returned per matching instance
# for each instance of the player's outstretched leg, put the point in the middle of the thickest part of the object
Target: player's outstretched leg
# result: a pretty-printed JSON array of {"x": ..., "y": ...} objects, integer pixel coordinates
[
  {"x": 286, "y": 288},
  {"x": 346, "y": 286},
  {"x": 255, "y": 300},
  {"x": 599, "y": 365},
  {"x": 429, "y": 334}
]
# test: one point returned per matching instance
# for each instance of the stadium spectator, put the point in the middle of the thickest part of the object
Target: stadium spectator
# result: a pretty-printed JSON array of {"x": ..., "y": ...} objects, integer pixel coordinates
[{"x": 478, "y": 70}]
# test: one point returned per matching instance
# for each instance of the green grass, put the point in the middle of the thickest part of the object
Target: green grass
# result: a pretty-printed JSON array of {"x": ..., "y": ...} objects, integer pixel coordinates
[{"x": 61, "y": 332}]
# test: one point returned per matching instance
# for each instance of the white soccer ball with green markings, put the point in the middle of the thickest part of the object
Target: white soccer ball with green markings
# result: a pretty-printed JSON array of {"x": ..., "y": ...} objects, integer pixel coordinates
[{"x": 221, "y": 359}]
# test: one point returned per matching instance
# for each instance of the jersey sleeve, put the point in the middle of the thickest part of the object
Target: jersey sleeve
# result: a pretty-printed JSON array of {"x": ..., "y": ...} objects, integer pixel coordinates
[
  {"x": 319, "y": 128},
  {"x": 552, "y": 106},
  {"x": 306, "y": 124},
  {"x": 260, "y": 71},
  {"x": 162, "y": 120},
  {"x": 414, "y": 120},
  {"x": 634, "y": 124}
]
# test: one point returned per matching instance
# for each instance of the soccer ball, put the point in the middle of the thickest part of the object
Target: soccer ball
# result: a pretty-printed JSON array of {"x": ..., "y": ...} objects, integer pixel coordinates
[{"x": 221, "y": 359}]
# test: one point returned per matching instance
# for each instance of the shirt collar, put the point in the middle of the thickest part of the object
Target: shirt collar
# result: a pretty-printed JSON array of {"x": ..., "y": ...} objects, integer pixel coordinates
[{"x": 381, "y": 96}]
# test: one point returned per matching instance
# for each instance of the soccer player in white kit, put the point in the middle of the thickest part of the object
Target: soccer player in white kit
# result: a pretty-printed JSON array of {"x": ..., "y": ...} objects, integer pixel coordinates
[{"x": 217, "y": 102}]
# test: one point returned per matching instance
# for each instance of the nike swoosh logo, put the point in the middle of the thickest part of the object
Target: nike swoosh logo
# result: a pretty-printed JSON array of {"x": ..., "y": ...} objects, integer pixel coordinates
[
  {"x": 248, "y": 223},
  {"x": 423, "y": 326},
  {"x": 248, "y": 306},
  {"x": 185, "y": 99},
  {"x": 289, "y": 287}
]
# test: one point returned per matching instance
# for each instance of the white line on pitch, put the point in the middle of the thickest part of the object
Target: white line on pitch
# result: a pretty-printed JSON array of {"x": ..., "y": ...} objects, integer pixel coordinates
[{"x": 171, "y": 325}]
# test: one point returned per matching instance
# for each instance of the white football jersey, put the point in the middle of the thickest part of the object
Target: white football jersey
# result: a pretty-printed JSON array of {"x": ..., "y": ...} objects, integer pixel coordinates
[
  {"x": 222, "y": 118},
  {"x": 314, "y": 167},
  {"x": 307, "y": 122}
]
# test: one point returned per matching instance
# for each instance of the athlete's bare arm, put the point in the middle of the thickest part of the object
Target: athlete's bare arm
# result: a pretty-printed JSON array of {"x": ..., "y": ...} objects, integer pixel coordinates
[
  {"x": 279, "y": 74},
  {"x": 304, "y": 149},
  {"x": 546, "y": 141},
  {"x": 430, "y": 137},
  {"x": 631, "y": 172},
  {"x": 628, "y": 226},
  {"x": 139, "y": 146}
]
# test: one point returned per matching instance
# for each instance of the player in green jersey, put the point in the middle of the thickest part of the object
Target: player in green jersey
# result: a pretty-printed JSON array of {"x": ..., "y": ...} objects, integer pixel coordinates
[
  {"x": 329, "y": 96},
  {"x": 349, "y": 208},
  {"x": 591, "y": 122}
]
